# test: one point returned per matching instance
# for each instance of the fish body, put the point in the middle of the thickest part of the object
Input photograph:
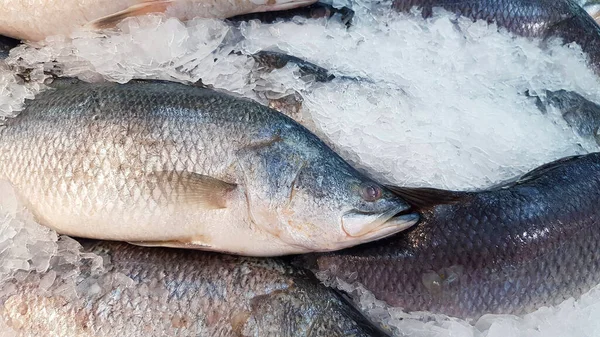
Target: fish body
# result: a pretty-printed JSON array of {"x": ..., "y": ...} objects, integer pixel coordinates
[
  {"x": 165, "y": 164},
  {"x": 168, "y": 292},
  {"x": 36, "y": 20},
  {"x": 509, "y": 250},
  {"x": 564, "y": 19},
  {"x": 314, "y": 11}
]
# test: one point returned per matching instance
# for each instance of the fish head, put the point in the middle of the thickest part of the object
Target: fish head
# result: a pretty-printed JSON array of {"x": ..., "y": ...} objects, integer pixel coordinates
[
  {"x": 308, "y": 309},
  {"x": 336, "y": 207},
  {"x": 311, "y": 200}
]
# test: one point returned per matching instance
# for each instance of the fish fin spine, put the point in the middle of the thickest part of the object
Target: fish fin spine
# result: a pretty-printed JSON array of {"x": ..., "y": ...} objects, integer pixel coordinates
[
  {"x": 147, "y": 7},
  {"x": 194, "y": 189},
  {"x": 427, "y": 197},
  {"x": 196, "y": 243}
]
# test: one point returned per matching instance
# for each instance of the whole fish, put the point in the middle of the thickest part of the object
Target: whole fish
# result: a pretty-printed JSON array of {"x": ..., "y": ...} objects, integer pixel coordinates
[
  {"x": 165, "y": 164},
  {"x": 36, "y": 20},
  {"x": 509, "y": 250},
  {"x": 171, "y": 292},
  {"x": 564, "y": 19}
]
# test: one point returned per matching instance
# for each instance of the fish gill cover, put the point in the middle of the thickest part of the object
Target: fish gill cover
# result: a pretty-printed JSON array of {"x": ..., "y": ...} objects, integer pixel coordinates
[{"x": 441, "y": 105}]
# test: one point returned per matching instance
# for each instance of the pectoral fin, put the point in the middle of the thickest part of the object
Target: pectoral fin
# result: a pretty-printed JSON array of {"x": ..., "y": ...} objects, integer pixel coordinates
[
  {"x": 199, "y": 245},
  {"x": 147, "y": 7},
  {"x": 182, "y": 187}
]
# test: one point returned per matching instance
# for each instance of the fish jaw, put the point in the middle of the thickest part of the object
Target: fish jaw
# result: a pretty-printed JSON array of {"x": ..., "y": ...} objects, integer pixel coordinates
[
  {"x": 279, "y": 5},
  {"x": 382, "y": 226},
  {"x": 358, "y": 224}
]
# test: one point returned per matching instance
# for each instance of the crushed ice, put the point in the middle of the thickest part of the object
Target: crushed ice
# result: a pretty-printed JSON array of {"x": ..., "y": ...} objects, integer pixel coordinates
[{"x": 439, "y": 102}]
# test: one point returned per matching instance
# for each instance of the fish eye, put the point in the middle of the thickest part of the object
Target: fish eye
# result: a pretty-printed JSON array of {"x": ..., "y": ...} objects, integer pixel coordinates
[{"x": 371, "y": 192}]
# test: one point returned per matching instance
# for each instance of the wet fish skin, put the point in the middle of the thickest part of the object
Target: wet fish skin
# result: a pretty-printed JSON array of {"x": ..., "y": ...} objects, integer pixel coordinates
[
  {"x": 275, "y": 60},
  {"x": 564, "y": 19},
  {"x": 165, "y": 164},
  {"x": 184, "y": 293},
  {"x": 510, "y": 250},
  {"x": 314, "y": 11},
  {"x": 36, "y": 20}
]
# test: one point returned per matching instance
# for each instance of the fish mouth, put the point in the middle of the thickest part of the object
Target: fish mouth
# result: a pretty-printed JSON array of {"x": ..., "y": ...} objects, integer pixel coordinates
[{"x": 369, "y": 225}]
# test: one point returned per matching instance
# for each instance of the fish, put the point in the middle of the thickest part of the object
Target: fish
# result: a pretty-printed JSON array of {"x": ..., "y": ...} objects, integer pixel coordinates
[
  {"x": 314, "y": 11},
  {"x": 6, "y": 44},
  {"x": 275, "y": 60},
  {"x": 581, "y": 114},
  {"x": 511, "y": 249},
  {"x": 160, "y": 163},
  {"x": 34, "y": 21},
  {"x": 544, "y": 19},
  {"x": 173, "y": 292}
]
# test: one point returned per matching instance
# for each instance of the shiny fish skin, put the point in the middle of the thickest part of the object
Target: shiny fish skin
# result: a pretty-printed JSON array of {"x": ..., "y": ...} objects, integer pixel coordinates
[
  {"x": 509, "y": 250},
  {"x": 564, "y": 19},
  {"x": 314, "y": 11},
  {"x": 162, "y": 163},
  {"x": 185, "y": 293}
]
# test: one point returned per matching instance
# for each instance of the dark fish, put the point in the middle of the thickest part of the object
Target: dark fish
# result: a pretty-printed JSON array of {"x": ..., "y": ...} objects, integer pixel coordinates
[
  {"x": 275, "y": 60},
  {"x": 6, "y": 44},
  {"x": 183, "y": 293},
  {"x": 564, "y": 19},
  {"x": 510, "y": 250},
  {"x": 580, "y": 113},
  {"x": 314, "y": 11}
]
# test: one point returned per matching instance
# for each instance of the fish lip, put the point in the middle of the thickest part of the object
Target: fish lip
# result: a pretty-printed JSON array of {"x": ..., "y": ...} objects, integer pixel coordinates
[{"x": 387, "y": 223}]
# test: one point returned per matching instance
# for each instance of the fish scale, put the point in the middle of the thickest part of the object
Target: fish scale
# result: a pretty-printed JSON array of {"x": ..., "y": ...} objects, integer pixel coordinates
[
  {"x": 509, "y": 250},
  {"x": 160, "y": 163},
  {"x": 179, "y": 293}
]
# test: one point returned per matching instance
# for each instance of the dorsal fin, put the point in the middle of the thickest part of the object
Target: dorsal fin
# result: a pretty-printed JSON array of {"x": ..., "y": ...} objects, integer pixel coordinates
[
  {"x": 544, "y": 169},
  {"x": 428, "y": 197}
]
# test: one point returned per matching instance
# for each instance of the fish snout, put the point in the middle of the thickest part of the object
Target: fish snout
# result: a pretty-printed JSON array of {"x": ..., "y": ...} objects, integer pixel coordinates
[{"x": 372, "y": 226}]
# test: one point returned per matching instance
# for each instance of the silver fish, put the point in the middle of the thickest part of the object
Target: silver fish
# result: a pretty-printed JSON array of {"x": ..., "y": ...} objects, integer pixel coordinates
[
  {"x": 36, "y": 20},
  {"x": 168, "y": 292},
  {"x": 165, "y": 164}
]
